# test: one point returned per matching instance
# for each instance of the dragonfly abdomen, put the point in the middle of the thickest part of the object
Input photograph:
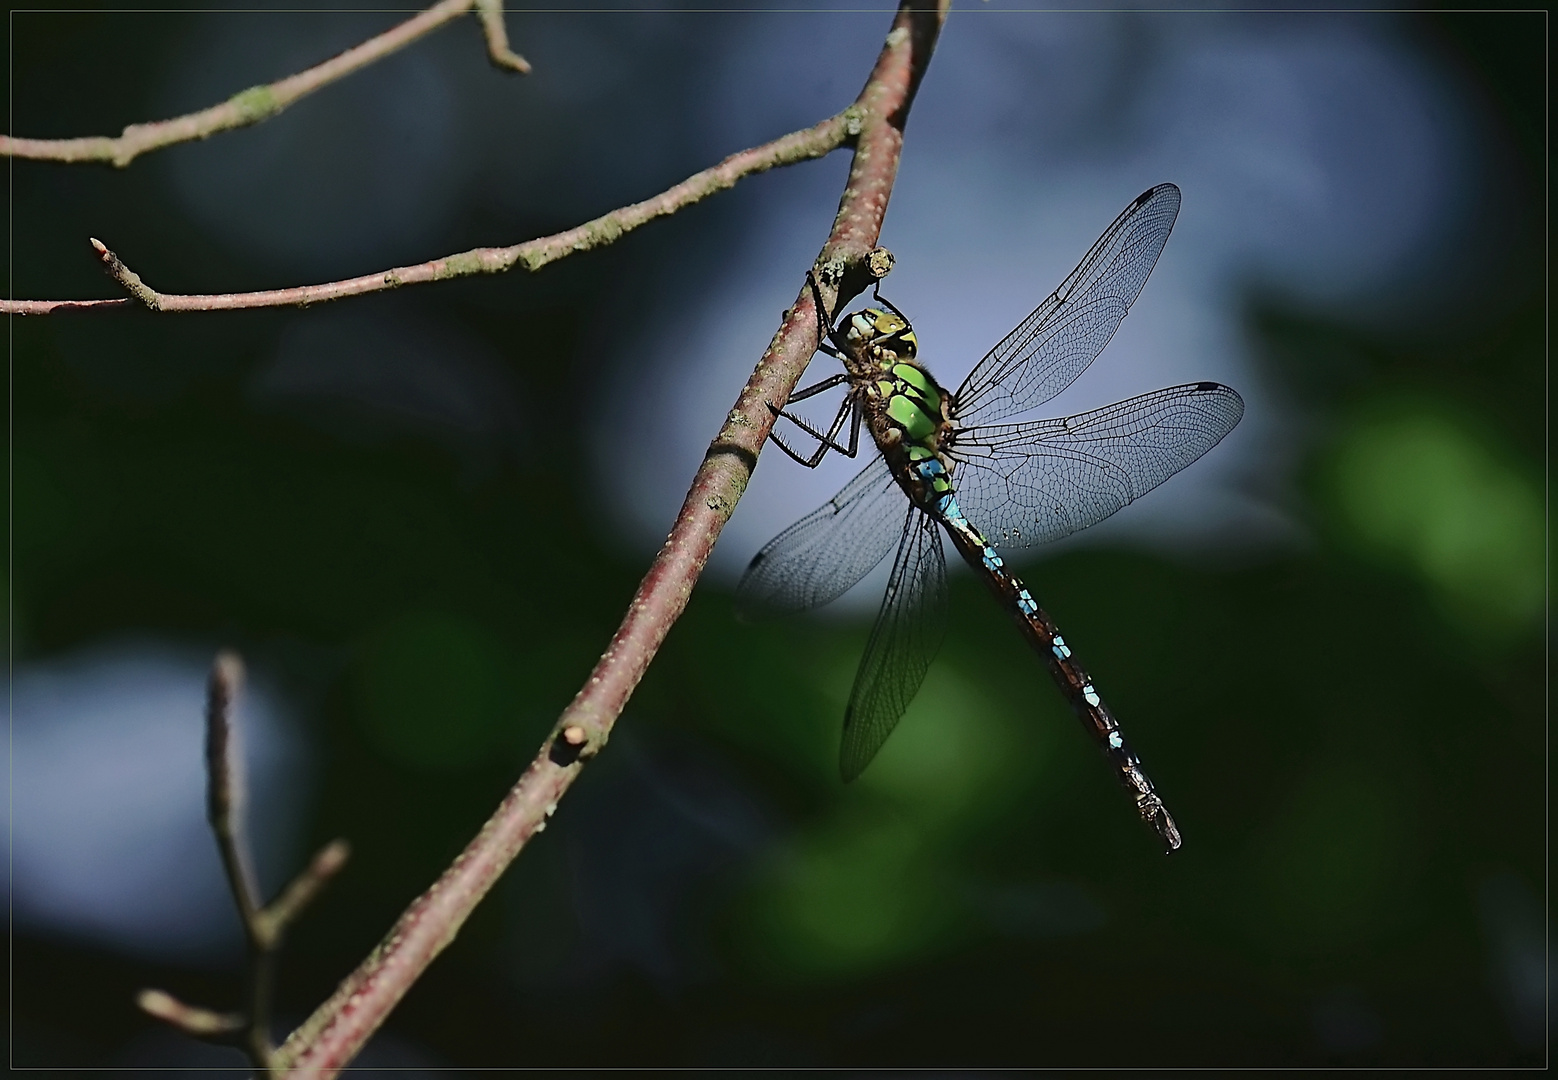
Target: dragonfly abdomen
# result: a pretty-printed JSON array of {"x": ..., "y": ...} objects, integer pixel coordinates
[{"x": 1045, "y": 637}]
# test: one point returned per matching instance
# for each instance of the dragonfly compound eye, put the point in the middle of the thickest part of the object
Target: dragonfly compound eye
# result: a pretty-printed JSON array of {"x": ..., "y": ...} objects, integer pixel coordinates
[
  {"x": 888, "y": 323},
  {"x": 862, "y": 327}
]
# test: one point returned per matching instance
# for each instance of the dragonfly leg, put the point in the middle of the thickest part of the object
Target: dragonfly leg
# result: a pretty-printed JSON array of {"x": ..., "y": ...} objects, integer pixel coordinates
[
  {"x": 825, "y": 331},
  {"x": 800, "y": 395},
  {"x": 876, "y": 294},
  {"x": 811, "y": 462},
  {"x": 854, "y": 429},
  {"x": 816, "y": 388},
  {"x": 825, "y": 442}
]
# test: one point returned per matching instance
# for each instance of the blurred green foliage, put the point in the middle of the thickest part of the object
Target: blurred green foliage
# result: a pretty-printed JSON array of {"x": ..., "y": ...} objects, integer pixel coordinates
[{"x": 1420, "y": 487}]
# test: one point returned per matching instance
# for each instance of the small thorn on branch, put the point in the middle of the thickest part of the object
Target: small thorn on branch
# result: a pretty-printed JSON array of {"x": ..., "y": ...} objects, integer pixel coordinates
[
  {"x": 129, "y": 279},
  {"x": 201, "y": 1023}
]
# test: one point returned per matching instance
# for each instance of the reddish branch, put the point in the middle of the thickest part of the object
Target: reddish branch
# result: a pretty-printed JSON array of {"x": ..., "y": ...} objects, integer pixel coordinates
[
  {"x": 812, "y": 142},
  {"x": 339, "y": 1028},
  {"x": 262, "y": 102}
]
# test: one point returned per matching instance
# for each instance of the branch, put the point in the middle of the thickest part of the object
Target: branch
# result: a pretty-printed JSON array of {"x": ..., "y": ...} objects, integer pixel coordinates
[
  {"x": 491, "y": 14},
  {"x": 263, "y": 926},
  {"x": 813, "y": 142},
  {"x": 329, "y": 1038},
  {"x": 225, "y": 789},
  {"x": 190, "y": 1019},
  {"x": 49, "y": 307},
  {"x": 263, "y": 102},
  {"x": 271, "y": 921}
]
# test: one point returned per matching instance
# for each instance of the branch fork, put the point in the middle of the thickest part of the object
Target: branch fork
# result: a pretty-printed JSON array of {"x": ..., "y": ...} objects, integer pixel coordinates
[
  {"x": 264, "y": 924},
  {"x": 259, "y": 103}
]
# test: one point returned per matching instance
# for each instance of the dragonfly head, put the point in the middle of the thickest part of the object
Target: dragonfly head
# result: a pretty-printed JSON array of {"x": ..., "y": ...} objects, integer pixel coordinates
[{"x": 884, "y": 330}]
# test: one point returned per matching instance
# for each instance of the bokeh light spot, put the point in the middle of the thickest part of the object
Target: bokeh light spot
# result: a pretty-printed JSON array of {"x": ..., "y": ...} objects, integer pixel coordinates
[
  {"x": 857, "y": 895},
  {"x": 1421, "y": 487},
  {"x": 953, "y": 753}
]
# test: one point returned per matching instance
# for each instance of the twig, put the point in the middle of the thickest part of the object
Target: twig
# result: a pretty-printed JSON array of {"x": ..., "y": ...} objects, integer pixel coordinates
[
  {"x": 191, "y": 1019},
  {"x": 49, "y": 307},
  {"x": 491, "y": 14},
  {"x": 272, "y": 920},
  {"x": 262, "y": 102},
  {"x": 329, "y": 1038},
  {"x": 225, "y": 788},
  {"x": 813, "y": 142},
  {"x": 263, "y": 926}
]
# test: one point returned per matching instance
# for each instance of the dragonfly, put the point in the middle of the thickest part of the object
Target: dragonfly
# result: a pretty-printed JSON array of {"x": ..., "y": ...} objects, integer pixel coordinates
[{"x": 1024, "y": 482}]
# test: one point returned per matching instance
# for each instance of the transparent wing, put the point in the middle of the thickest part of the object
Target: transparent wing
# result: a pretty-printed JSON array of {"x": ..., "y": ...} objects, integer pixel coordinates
[
  {"x": 1024, "y": 484},
  {"x": 1056, "y": 343},
  {"x": 907, "y": 633},
  {"x": 819, "y": 557}
]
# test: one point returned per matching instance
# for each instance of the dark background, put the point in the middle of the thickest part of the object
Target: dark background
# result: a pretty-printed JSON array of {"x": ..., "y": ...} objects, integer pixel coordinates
[{"x": 1348, "y": 724}]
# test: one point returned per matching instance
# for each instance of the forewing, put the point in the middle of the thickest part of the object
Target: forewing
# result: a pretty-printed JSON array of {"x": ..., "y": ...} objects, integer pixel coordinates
[
  {"x": 1024, "y": 484},
  {"x": 907, "y": 633},
  {"x": 819, "y": 557},
  {"x": 1056, "y": 343}
]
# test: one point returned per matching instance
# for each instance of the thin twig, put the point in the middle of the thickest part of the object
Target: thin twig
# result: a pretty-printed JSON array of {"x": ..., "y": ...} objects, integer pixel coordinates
[
  {"x": 498, "y": 51},
  {"x": 281, "y": 912},
  {"x": 813, "y": 142},
  {"x": 329, "y": 1038},
  {"x": 50, "y": 307},
  {"x": 264, "y": 926},
  {"x": 225, "y": 788},
  {"x": 191, "y": 1019},
  {"x": 263, "y": 102}
]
